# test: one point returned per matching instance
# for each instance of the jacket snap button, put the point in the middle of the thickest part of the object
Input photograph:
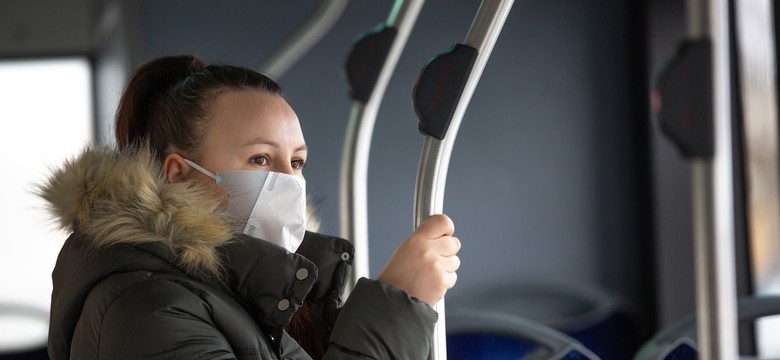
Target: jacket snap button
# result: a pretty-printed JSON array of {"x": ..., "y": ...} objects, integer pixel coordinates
[
  {"x": 345, "y": 256},
  {"x": 301, "y": 274},
  {"x": 283, "y": 305}
]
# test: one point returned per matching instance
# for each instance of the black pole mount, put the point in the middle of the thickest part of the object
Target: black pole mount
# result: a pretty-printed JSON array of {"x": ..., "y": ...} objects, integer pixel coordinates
[
  {"x": 683, "y": 99},
  {"x": 439, "y": 88},
  {"x": 366, "y": 59}
]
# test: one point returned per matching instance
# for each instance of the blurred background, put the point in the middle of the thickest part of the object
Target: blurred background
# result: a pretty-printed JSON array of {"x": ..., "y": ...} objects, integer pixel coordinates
[{"x": 573, "y": 210}]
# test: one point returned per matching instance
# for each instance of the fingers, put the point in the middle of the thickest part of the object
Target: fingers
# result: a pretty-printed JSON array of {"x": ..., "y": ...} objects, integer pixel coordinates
[
  {"x": 449, "y": 280},
  {"x": 446, "y": 276},
  {"x": 450, "y": 264},
  {"x": 447, "y": 245},
  {"x": 425, "y": 265},
  {"x": 436, "y": 226}
]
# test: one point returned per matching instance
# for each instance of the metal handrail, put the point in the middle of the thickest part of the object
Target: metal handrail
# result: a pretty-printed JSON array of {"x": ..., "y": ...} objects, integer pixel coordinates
[
  {"x": 713, "y": 196},
  {"x": 437, "y": 148},
  {"x": 370, "y": 66}
]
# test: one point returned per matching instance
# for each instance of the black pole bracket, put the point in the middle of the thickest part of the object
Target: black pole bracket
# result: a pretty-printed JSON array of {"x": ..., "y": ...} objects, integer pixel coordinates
[
  {"x": 439, "y": 88},
  {"x": 366, "y": 59},
  {"x": 684, "y": 99}
]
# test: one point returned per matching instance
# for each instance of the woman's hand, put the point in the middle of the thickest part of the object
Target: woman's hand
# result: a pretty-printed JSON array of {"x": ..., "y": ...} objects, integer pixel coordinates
[{"x": 424, "y": 265}]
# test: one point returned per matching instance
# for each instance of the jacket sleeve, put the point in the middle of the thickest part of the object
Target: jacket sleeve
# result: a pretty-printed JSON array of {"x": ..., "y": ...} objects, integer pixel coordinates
[
  {"x": 160, "y": 319},
  {"x": 379, "y": 321}
]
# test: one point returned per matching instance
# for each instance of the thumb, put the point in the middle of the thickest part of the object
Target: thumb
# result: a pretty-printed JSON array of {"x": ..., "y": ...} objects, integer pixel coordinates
[{"x": 436, "y": 226}]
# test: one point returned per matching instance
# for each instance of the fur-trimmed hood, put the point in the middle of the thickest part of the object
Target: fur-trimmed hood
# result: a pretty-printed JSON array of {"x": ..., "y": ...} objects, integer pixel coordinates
[
  {"x": 134, "y": 230},
  {"x": 121, "y": 197}
]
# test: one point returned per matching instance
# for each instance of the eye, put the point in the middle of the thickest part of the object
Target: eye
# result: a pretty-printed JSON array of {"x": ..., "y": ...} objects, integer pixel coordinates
[
  {"x": 261, "y": 160},
  {"x": 298, "y": 164}
]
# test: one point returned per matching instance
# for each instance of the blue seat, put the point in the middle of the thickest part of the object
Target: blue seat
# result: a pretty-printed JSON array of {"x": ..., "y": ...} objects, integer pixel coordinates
[
  {"x": 678, "y": 340},
  {"x": 483, "y": 334},
  {"x": 600, "y": 321}
]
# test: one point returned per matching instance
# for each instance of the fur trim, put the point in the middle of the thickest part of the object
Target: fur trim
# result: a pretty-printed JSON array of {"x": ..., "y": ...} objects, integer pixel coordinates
[
  {"x": 312, "y": 220},
  {"x": 122, "y": 198}
]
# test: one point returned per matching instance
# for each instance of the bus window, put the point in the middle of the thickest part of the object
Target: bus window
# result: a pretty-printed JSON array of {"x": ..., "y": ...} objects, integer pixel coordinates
[{"x": 46, "y": 114}]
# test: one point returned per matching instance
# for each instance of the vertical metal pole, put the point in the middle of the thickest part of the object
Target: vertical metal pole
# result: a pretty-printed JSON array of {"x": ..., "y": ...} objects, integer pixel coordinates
[
  {"x": 713, "y": 198},
  {"x": 435, "y": 155}
]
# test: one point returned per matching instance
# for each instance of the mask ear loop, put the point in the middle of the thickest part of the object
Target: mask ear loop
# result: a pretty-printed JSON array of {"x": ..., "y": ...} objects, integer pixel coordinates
[{"x": 201, "y": 169}]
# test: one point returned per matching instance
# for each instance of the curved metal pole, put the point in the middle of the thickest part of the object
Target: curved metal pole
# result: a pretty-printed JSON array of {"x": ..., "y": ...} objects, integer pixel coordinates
[
  {"x": 353, "y": 201},
  {"x": 435, "y": 156},
  {"x": 312, "y": 31}
]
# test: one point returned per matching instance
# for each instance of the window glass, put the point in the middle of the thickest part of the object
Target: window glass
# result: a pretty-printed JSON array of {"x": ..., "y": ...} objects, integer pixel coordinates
[{"x": 46, "y": 115}]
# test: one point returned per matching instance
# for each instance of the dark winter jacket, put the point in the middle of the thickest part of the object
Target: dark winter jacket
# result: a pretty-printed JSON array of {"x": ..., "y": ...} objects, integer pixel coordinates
[{"x": 154, "y": 271}]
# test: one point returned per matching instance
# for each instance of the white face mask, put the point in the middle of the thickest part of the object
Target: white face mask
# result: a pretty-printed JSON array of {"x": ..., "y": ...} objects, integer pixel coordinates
[{"x": 271, "y": 204}]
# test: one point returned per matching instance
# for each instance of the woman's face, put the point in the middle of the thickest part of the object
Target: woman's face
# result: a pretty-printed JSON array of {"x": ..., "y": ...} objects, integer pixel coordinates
[{"x": 252, "y": 130}]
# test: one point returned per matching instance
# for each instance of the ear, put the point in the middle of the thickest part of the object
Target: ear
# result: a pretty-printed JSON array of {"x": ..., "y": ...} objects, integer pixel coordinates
[{"x": 174, "y": 168}]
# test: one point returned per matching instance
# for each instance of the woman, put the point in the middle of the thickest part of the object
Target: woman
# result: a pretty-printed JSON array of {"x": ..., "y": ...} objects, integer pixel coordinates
[{"x": 165, "y": 260}]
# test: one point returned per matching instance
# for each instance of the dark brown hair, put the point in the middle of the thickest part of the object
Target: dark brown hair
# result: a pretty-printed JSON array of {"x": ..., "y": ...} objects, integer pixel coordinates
[
  {"x": 307, "y": 332},
  {"x": 166, "y": 101}
]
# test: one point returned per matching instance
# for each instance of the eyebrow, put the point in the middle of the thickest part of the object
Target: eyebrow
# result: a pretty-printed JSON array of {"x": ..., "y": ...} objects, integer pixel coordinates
[{"x": 263, "y": 141}]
